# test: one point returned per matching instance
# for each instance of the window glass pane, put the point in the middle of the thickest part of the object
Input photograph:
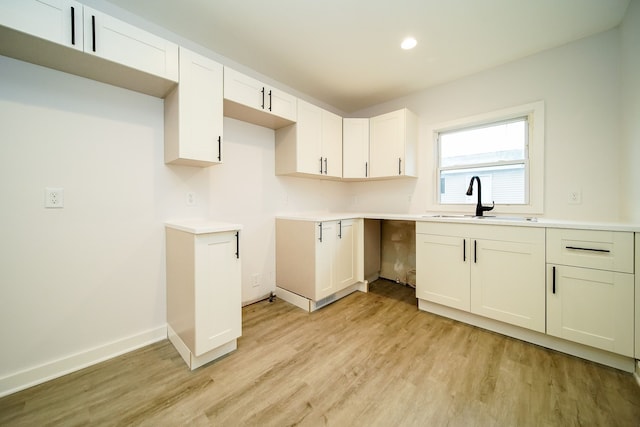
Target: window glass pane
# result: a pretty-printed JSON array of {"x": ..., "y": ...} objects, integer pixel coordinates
[
  {"x": 502, "y": 184},
  {"x": 493, "y": 143}
]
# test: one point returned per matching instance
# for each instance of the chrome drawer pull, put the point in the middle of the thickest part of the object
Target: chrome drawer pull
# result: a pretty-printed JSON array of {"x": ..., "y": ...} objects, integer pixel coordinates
[{"x": 587, "y": 249}]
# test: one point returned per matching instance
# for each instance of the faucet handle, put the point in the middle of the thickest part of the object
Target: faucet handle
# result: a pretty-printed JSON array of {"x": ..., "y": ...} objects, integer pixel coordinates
[{"x": 489, "y": 208}]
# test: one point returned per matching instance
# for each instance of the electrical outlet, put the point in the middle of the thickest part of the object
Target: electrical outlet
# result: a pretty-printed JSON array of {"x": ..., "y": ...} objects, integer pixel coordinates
[
  {"x": 574, "y": 197},
  {"x": 191, "y": 198},
  {"x": 53, "y": 197},
  {"x": 255, "y": 280}
]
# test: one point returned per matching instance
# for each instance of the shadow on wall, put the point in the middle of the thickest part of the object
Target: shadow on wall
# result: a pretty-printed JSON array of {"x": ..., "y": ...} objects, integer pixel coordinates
[{"x": 398, "y": 252}]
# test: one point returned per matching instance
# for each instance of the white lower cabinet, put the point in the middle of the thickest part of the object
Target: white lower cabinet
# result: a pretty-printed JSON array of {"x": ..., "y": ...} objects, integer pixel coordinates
[
  {"x": 204, "y": 307},
  {"x": 443, "y": 269},
  {"x": 318, "y": 259},
  {"x": 493, "y": 271},
  {"x": 591, "y": 306}
]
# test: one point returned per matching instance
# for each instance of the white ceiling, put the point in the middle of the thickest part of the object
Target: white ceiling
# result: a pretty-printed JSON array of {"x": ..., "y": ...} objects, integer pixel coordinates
[{"x": 346, "y": 52}]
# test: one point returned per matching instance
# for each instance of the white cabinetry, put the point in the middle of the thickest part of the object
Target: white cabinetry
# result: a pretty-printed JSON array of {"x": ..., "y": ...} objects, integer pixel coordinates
[
  {"x": 492, "y": 271},
  {"x": 316, "y": 260},
  {"x": 393, "y": 144},
  {"x": 443, "y": 269},
  {"x": 311, "y": 146},
  {"x": 59, "y": 21},
  {"x": 590, "y": 288},
  {"x": 355, "y": 148},
  {"x": 193, "y": 118},
  {"x": 67, "y": 36},
  {"x": 248, "y": 99},
  {"x": 119, "y": 42},
  {"x": 204, "y": 308}
]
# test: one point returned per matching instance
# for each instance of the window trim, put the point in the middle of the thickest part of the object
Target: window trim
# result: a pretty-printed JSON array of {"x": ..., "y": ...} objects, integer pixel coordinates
[{"x": 535, "y": 159}]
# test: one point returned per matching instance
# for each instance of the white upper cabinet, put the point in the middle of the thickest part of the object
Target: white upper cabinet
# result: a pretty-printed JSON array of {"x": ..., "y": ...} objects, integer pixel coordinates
[
  {"x": 69, "y": 37},
  {"x": 252, "y": 101},
  {"x": 355, "y": 148},
  {"x": 193, "y": 119},
  {"x": 312, "y": 146},
  {"x": 59, "y": 21},
  {"x": 117, "y": 41},
  {"x": 392, "y": 144}
]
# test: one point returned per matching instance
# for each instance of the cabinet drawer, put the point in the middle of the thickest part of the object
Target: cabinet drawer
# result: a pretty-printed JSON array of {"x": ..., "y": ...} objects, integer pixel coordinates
[{"x": 602, "y": 250}]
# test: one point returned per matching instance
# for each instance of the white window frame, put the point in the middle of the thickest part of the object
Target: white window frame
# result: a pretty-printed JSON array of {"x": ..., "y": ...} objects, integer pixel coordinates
[{"x": 534, "y": 168}]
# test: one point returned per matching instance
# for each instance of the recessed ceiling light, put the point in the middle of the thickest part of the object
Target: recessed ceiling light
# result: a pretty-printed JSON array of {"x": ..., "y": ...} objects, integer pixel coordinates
[{"x": 408, "y": 43}]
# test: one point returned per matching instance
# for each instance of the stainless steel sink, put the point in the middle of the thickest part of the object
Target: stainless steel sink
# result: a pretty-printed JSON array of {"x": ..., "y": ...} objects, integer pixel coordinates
[{"x": 484, "y": 217}]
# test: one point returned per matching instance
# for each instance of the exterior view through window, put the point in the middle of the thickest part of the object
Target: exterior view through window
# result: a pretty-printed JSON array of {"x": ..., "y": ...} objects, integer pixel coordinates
[{"x": 496, "y": 152}]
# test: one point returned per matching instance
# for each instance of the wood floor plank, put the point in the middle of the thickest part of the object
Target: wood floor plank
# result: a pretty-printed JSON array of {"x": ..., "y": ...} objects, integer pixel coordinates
[{"x": 367, "y": 360}]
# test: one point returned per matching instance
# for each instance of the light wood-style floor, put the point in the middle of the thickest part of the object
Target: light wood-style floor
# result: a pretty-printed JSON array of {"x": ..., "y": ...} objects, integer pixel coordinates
[{"x": 367, "y": 360}]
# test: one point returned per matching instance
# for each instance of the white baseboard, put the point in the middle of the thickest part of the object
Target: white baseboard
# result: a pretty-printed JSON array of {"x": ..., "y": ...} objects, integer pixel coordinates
[
  {"x": 603, "y": 357},
  {"x": 310, "y": 305},
  {"x": 39, "y": 374}
]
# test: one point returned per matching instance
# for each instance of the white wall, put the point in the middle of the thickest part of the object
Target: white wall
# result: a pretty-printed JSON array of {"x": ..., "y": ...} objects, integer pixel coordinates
[
  {"x": 88, "y": 281},
  {"x": 580, "y": 85},
  {"x": 245, "y": 190},
  {"x": 630, "y": 159}
]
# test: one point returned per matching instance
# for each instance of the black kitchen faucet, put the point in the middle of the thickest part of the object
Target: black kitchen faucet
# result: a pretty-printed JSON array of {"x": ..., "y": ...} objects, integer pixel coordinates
[{"x": 479, "y": 208}]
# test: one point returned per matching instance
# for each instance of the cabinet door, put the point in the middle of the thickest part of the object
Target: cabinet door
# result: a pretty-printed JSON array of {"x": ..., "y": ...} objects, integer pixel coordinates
[
  {"x": 344, "y": 259},
  {"x": 59, "y": 21},
  {"x": 442, "y": 273},
  {"x": 309, "y": 139},
  {"x": 592, "y": 307},
  {"x": 196, "y": 134},
  {"x": 243, "y": 89},
  {"x": 218, "y": 300},
  {"x": 387, "y": 144},
  {"x": 325, "y": 242},
  {"x": 282, "y": 104},
  {"x": 117, "y": 41},
  {"x": 332, "y": 144},
  {"x": 355, "y": 148},
  {"x": 507, "y": 281}
]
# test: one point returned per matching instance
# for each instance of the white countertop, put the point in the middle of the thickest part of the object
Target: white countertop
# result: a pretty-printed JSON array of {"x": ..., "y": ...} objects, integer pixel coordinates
[
  {"x": 509, "y": 220},
  {"x": 202, "y": 226}
]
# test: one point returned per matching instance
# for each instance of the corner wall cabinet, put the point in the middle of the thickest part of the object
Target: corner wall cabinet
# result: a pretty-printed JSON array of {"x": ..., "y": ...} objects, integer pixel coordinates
[
  {"x": 250, "y": 100},
  {"x": 70, "y": 37},
  {"x": 493, "y": 271},
  {"x": 355, "y": 148},
  {"x": 193, "y": 117},
  {"x": 317, "y": 260},
  {"x": 590, "y": 288},
  {"x": 393, "y": 144},
  {"x": 204, "y": 307},
  {"x": 311, "y": 146}
]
